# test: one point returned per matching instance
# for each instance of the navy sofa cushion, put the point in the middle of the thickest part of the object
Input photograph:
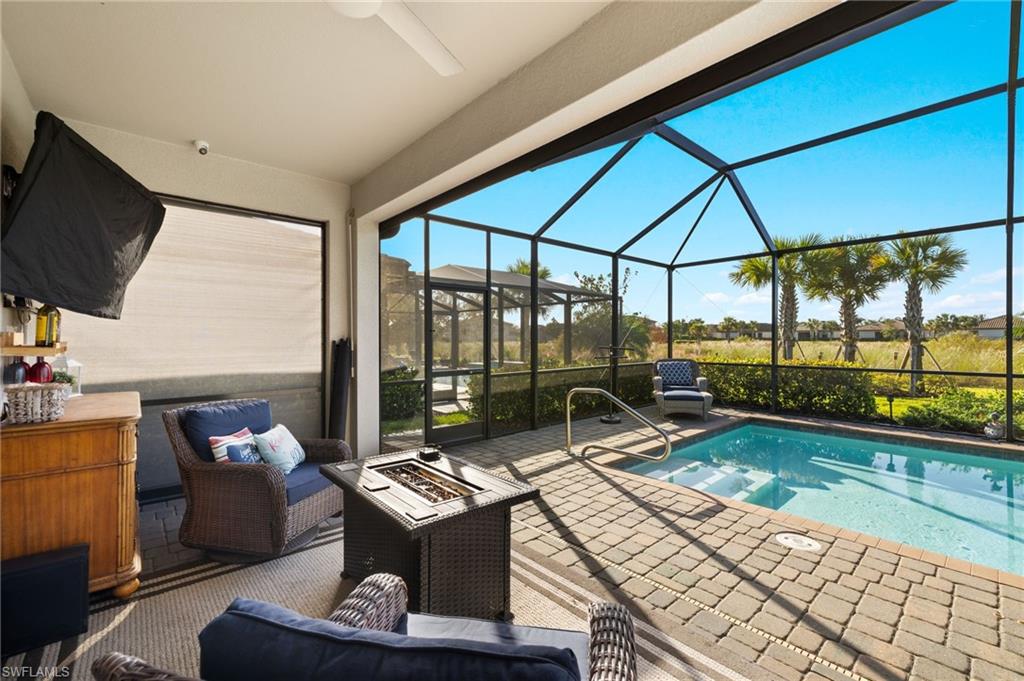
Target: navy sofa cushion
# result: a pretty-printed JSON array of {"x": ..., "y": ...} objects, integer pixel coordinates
[
  {"x": 251, "y": 641},
  {"x": 684, "y": 395},
  {"x": 304, "y": 481},
  {"x": 201, "y": 423},
  {"x": 491, "y": 631}
]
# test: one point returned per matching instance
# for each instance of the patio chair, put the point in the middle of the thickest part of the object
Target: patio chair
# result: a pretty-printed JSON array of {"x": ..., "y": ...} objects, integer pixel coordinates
[
  {"x": 680, "y": 389},
  {"x": 370, "y": 636},
  {"x": 239, "y": 512}
]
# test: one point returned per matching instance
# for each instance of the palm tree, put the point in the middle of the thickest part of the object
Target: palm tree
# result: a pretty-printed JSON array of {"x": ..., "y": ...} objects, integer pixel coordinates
[
  {"x": 852, "y": 275},
  {"x": 696, "y": 329},
  {"x": 757, "y": 274},
  {"x": 522, "y": 266},
  {"x": 814, "y": 327},
  {"x": 728, "y": 326},
  {"x": 922, "y": 263}
]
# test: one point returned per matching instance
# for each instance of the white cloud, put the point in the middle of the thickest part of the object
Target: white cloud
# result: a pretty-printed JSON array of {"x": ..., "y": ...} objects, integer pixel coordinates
[
  {"x": 565, "y": 279},
  {"x": 995, "y": 276},
  {"x": 754, "y": 298},
  {"x": 717, "y": 297},
  {"x": 974, "y": 302}
]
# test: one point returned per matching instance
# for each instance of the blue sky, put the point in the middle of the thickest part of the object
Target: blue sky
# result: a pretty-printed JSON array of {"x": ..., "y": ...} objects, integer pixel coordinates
[{"x": 942, "y": 169}]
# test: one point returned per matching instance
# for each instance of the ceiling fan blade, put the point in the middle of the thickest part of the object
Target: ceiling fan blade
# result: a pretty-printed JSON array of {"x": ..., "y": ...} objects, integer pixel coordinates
[{"x": 409, "y": 28}]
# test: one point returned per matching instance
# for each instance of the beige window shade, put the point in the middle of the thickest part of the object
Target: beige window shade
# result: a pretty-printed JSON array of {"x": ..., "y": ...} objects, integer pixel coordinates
[{"x": 222, "y": 304}]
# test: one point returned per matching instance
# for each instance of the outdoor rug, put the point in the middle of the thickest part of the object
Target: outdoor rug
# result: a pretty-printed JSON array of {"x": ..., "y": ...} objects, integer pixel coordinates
[{"x": 161, "y": 622}]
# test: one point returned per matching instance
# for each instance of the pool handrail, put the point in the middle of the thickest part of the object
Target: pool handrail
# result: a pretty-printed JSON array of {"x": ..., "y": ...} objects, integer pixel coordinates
[{"x": 666, "y": 449}]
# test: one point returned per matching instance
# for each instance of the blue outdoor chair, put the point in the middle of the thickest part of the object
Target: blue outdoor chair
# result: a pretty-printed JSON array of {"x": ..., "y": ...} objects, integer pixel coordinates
[{"x": 680, "y": 389}]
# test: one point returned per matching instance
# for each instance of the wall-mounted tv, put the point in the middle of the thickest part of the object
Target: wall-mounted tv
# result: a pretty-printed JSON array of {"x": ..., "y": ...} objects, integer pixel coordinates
[{"x": 77, "y": 227}]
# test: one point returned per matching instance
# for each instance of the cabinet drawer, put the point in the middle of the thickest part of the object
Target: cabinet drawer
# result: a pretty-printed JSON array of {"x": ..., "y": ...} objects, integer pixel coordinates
[{"x": 24, "y": 453}]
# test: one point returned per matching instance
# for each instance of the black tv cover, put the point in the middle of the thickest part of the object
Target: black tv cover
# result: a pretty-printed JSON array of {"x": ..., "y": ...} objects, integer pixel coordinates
[{"x": 78, "y": 226}]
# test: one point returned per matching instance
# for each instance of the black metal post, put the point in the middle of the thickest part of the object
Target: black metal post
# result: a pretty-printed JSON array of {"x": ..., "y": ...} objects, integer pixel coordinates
[
  {"x": 501, "y": 326},
  {"x": 671, "y": 321},
  {"x": 775, "y": 333},
  {"x": 534, "y": 332},
  {"x": 567, "y": 331},
  {"x": 487, "y": 349},
  {"x": 455, "y": 331},
  {"x": 524, "y": 333},
  {"x": 428, "y": 337},
  {"x": 613, "y": 349},
  {"x": 1011, "y": 124}
]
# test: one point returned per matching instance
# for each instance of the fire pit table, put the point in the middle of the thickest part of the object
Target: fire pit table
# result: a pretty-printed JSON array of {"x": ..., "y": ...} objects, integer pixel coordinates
[{"x": 441, "y": 524}]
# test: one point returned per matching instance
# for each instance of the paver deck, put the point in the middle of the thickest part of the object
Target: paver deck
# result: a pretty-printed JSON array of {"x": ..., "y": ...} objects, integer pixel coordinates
[{"x": 861, "y": 608}]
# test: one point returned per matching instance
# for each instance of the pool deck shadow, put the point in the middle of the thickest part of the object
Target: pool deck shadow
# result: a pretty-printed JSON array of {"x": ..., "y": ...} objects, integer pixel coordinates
[{"x": 861, "y": 608}]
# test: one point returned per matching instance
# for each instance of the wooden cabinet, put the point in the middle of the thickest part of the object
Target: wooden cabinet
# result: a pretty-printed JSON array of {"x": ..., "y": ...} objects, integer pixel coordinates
[{"x": 72, "y": 481}]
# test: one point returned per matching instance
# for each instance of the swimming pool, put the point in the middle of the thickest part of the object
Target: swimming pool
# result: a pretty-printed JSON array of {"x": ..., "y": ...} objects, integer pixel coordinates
[{"x": 960, "y": 505}]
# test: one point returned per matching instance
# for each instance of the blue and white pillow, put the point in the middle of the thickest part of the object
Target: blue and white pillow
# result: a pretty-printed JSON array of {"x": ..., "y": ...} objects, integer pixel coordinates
[
  {"x": 238, "y": 447},
  {"x": 278, "y": 447},
  {"x": 244, "y": 453}
]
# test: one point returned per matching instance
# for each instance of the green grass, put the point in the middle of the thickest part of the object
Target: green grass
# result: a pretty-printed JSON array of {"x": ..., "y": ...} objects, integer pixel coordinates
[
  {"x": 453, "y": 419},
  {"x": 900, "y": 404},
  {"x": 954, "y": 352}
]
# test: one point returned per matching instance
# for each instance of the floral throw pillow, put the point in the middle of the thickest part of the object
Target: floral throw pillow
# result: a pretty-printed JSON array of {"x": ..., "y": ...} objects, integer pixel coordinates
[{"x": 279, "y": 447}]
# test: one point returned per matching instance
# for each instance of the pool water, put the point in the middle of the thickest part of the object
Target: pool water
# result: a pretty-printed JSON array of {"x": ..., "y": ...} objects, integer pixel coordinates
[{"x": 960, "y": 505}]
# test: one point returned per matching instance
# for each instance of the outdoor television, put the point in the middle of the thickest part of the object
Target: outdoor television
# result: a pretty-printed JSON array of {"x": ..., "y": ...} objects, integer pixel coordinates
[{"x": 77, "y": 227}]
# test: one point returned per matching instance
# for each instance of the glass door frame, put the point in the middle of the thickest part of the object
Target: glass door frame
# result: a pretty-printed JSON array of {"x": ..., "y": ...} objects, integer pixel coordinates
[{"x": 474, "y": 430}]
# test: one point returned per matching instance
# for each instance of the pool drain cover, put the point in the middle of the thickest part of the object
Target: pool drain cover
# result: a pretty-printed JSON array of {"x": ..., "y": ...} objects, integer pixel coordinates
[{"x": 797, "y": 542}]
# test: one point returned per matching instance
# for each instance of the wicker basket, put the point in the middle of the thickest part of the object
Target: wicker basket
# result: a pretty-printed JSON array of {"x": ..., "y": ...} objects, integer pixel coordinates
[{"x": 36, "y": 402}]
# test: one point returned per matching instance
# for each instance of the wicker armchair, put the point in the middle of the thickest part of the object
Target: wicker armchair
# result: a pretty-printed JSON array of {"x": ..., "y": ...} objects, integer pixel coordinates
[
  {"x": 379, "y": 602},
  {"x": 240, "y": 512},
  {"x": 680, "y": 389}
]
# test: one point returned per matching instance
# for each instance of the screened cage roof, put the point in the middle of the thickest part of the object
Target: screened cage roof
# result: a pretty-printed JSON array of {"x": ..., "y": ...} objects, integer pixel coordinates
[
  {"x": 461, "y": 276},
  {"x": 903, "y": 131}
]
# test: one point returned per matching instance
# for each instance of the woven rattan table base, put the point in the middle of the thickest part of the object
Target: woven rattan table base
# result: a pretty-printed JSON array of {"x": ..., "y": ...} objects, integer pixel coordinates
[{"x": 461, "y": 568}]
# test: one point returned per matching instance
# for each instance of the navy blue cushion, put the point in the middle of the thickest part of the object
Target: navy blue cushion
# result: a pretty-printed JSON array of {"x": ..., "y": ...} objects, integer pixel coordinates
[
  {"x": 253, "y": 640},
  {"x": 304, "y": 480},
  {"x": 202, "y": 423},
  {"x": 492, "y": 631},
  {"x": 684, "y": 395},
  {"x": 679, "y": 372}
]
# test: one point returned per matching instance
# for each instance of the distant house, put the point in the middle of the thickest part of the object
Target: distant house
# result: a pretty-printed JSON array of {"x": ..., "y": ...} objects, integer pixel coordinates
[
  {"x": 894, "y": 328},
  {"x": 762, "y": 331},
  {"x": 712, "y": 331},
  {"x": 806, "y": 333},
  {"x": 996, "y": 326}
]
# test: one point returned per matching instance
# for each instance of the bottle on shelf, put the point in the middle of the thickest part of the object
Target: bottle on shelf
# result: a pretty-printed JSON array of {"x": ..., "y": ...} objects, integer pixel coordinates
[
  {"x": 40, "y": 372},
  {"x": 16, "y": 372},
  {"x": 47, "y": 326}
]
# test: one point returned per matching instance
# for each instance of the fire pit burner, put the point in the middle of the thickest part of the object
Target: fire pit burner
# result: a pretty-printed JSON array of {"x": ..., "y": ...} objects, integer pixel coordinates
[{"x": 432, "y": 486}]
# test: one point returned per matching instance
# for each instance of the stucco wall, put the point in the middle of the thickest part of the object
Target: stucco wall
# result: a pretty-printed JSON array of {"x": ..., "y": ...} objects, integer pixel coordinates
[
  {"x": 179, "y": 170},
  {"x": 17, "y": 118}
]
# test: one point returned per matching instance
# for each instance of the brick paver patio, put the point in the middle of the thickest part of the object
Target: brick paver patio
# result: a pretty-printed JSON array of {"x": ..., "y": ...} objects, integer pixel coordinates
[
  {"x": 862, "y": 608},
  {"x": 859, "y": 608}
]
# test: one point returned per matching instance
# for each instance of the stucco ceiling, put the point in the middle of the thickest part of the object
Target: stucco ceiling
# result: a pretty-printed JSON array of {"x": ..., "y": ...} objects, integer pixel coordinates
[{"x": 291, "y": 85}]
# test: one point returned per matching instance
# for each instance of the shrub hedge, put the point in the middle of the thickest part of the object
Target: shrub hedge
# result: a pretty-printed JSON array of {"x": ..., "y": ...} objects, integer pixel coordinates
[
  {"x": 845, "y": 394},
  {"x": 401, "y": 400},
  {"x": 963, "y": 410},
  {"x": 813, "y": 392},
  {"x": 510, "y": 398}
]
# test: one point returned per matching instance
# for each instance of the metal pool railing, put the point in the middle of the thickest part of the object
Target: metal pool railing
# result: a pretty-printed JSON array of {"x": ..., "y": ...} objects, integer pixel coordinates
[{"x": 666, "y": 449}]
